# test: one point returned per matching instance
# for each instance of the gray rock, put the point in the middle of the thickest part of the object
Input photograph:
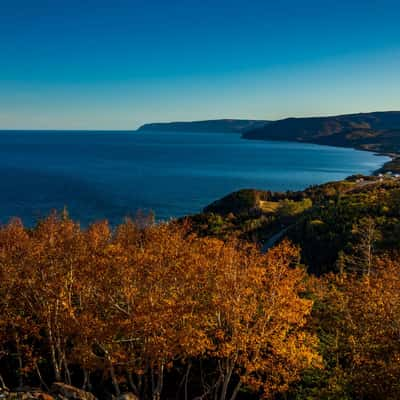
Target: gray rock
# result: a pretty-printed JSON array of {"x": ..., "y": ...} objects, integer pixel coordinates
[
  {"x": 128, "y": 396},
  {"x": 70, "y": 392}
]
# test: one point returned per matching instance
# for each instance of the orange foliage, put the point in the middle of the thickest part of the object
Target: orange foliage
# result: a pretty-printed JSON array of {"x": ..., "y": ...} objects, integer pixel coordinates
[
  {"x": 360, "y": 317},
  {"x": 136, "y": 302}
]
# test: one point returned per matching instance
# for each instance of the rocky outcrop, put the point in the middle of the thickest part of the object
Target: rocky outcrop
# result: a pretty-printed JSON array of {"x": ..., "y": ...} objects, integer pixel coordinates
[
  {"x": 127, "y": 396},
  {"x": 59, "y": 391},
  {"x": 63, "y": 391},
  {"x": 28, "y": 394}
]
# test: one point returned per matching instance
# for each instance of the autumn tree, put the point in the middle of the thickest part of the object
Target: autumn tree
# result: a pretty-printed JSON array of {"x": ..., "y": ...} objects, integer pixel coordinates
[
  {"x": 366, "y": 236},
  {"x": 14, "y": 323},
  {"x": 144, "y": 301},
  {"x": 258, "y": 319},
  {"x": 358, "y": 320}
]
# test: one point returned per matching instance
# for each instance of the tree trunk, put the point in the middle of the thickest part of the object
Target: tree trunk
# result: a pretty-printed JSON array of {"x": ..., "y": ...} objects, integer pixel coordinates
[
  {"x": 56, "y": 368},
  {"x": 85, "y": 379},
  {"x": 160, "y": 383},
  {"x": 42, "y": 382},
  {"x": 187, "y": 379},
  {"x": 20, "y": 362},
  {"x": 66, "y": 369},
  {"x": 2, "y": 383},
  {"x": 114, "y": 379},
  {"x": 132, "y": 385},
  {"x": 236, "y": 391},
  {"x": 227, "y": 379},
  {"x": 219, "y": 380}
]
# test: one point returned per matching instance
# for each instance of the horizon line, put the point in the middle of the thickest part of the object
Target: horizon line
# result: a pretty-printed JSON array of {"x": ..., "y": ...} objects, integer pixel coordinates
[{"x": 189, "y": 121}]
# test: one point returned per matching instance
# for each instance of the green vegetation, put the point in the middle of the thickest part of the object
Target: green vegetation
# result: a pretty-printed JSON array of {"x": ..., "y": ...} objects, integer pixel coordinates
[
  {"x": 323, "y": 220},
  {"x": 392, "y": 166}
]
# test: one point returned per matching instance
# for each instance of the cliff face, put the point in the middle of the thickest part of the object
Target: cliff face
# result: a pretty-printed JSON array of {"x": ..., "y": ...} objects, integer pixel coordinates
[
  {"x": 378, "y": 131},
  {"x": 221, "y": 125}
]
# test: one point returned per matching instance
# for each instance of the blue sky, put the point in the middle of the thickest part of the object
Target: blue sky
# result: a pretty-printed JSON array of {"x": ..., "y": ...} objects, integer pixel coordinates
[{"x": 96, "y": 64}]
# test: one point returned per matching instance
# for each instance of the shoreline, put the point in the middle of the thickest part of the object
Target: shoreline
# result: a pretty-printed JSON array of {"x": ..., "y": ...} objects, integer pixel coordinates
[
  {"x": 394, "y": 161},
  {"x": 373, "y": 169}
]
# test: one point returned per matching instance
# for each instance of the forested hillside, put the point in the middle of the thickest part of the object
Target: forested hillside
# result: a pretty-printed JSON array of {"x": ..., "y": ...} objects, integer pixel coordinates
[
  {"x": 378, "y": 131},
  {"x": 329, "y": 222}
]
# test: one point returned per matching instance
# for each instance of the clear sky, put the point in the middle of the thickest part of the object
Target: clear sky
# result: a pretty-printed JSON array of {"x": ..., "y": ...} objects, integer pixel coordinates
[{"x": 97, "y": 64}]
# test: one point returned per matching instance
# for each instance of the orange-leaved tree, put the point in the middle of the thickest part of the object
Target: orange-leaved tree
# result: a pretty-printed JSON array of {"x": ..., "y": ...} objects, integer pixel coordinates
[{"x": 259, "y": 319}]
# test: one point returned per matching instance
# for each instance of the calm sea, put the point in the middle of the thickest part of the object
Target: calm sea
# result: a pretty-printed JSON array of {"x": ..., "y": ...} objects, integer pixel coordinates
[{"x": 111, "y": 175}]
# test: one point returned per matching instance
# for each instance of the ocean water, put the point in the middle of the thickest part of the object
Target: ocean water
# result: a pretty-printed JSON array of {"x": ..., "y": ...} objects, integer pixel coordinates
[{"x": 110, "y": 175}]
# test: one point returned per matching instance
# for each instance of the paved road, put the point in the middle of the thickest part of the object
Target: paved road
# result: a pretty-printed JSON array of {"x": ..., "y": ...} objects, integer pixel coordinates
[{"x": 274, "y": 238}]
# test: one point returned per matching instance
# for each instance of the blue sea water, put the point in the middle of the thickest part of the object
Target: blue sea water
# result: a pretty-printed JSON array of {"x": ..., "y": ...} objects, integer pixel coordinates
[{"x": 110, "y": 175}]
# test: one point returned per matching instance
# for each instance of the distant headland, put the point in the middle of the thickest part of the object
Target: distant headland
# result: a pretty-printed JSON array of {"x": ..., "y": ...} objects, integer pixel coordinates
[
  {"x": 218, "y": 125},
  {"x": 374, "y": 131}
]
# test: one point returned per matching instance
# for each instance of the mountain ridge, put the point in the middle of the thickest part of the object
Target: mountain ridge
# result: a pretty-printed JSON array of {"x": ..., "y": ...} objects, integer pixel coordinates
[
  {"x": 374, "y": 131},
  {"x": 215, "y": 125}
]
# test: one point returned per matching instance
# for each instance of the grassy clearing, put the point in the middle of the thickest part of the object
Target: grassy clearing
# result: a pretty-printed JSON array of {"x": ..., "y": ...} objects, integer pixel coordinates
[{"x": 269, "y": 206}]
